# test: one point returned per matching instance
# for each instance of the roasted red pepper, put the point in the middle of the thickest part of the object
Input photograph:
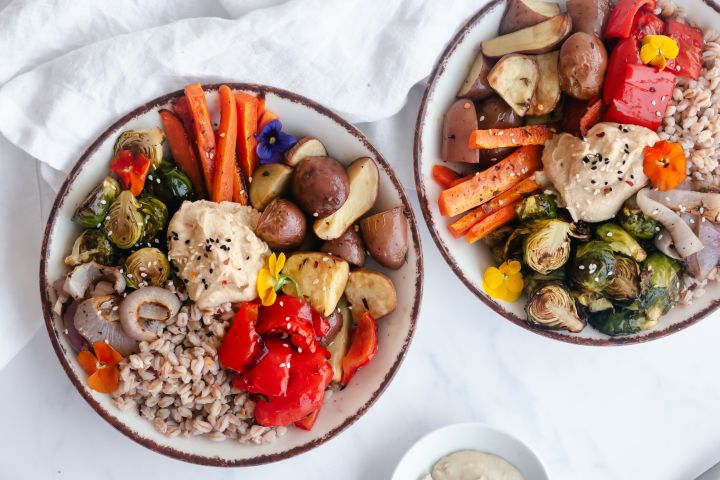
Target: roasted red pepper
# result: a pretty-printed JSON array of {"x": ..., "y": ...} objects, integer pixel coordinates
[
  {"x": 270, "y": 376},
  {"x": 308, "y": 422},
  {"x": 647, "y": 23},
  {"x": 626, "y": 53},
  {"x": 691, "y": 42},
  {"x": 643, "y": 97},
  {"x": 294, "y": 317},
  {"x": 131, "y": 170},
  {"x": 363, "y": 347},
  {"x": 242, "y": 347},
  {"x": 310, "y": 374},
  {"x": 622, "y": 17}
]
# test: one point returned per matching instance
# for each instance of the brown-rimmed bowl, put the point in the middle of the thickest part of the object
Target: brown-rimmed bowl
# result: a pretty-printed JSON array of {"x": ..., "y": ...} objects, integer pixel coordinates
[
  {"x": 470, "y": 261},
  {"x": 300, "y": 117}
]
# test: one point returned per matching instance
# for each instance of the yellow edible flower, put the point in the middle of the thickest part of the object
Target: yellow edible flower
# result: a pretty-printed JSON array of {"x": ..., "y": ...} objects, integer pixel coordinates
[
  {"x": 505, "y": 282},
  {"x": 269, "y": 279},
  {"x": 657, "y": 50}
]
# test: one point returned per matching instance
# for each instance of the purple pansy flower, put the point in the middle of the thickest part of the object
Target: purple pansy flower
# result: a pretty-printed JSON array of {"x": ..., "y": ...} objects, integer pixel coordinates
[{"x": 273, "y": 143}]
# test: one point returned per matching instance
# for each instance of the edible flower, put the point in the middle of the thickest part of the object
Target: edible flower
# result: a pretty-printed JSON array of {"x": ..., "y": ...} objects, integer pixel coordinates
[
  {"x": 270, "y": 279},
  {"x": 273, "y": 142},
  {"x": 657, "y": 50},
  {"x": 504, "y": 282},
  {"x": 102, "y": 367},
  {"x": 665, "y": 165}
]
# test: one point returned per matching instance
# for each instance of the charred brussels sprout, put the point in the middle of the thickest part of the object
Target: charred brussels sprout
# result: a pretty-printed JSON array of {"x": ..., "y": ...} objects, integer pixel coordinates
[
  {"x": 124, "y": 224},
  {"x": 661, "y": 279},
  {"x": 621, "y": 322},
  {"x": 146, "y": 267},
  {"x": 547, "y": 245},
  {"x": 638, "y": 225},
  {"x": 625, "y": 284},
  {"x": 156, "y": 217},
  {"x": 170, "y": 186},
  {"x": 553, "y": 307},
  {"x": 91, "y": 246},
  {"x": 148, "y": 142},
  {"x": 593, "y": 301},
  {"x": 537, "y": 207},
  {"x": 93, "y": 209},
  {"x": 593, "y": 267},
  {"x": 534, "y": 281},
  {"x": 620, "y": 241},
  {"x": 496, "y": 240}
]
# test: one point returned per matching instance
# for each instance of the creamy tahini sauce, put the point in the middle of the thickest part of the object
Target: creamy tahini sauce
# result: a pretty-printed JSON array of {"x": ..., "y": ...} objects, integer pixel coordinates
[
  {"x": 474, "y": 465},
  {"x": 596, "y": 175}
]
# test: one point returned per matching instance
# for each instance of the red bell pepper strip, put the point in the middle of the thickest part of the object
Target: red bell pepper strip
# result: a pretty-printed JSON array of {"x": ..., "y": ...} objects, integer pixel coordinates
[
  {"x": 691, "y": 42},
  {"x": 182, "y": 150},
  {"x": 308, "y": 422},
  {"x": 362, "y": 349},
  {"x": 622, "y": 17},
  {"x": 242, "y": 347},
  {"x": 131, "y": 170},
  {"x": 227, "y": 138},
  {"x": 291, "y": 316},
  {"x": 626, "y": 52},
  {"x": 647, "y": 23},
  {"x": 248, "y": 112},
  {"x": 271, "y": 375},
  {"x": 444, "y": 176},
  {"x": 310, "y": 374},
  {"x": 204, "y": 133},
  {"x": 643, "y": 98}
]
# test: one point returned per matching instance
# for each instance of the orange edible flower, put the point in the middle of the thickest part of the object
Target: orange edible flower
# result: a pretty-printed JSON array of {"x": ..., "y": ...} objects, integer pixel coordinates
[
  {"x": 102, "y": 367},
  {"x": 665, "y": 165}
]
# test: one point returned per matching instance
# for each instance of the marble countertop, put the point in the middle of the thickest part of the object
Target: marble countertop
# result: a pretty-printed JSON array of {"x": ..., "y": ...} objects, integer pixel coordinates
[{"x": 646, "y": 411}]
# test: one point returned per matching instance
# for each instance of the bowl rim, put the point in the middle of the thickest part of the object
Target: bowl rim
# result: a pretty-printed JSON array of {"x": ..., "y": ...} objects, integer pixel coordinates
[
  {"x": 171, "y": 451},
  {"x": 438, "y": 70}
]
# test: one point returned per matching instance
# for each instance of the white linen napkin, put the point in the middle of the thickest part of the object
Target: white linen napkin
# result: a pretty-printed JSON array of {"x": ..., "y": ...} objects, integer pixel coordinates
[{"x": 70, "y": 68}]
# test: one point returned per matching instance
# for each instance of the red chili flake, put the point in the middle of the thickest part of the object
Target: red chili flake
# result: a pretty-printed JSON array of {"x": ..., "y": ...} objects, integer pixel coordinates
[
  {"x": 630, "y": 183},
  {"x": 227, "y": 261},
  {"x": 224, "y": 282}
]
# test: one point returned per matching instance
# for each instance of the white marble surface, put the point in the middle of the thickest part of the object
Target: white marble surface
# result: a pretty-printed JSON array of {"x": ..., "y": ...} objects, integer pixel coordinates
[{"x": 641, "y": 412}]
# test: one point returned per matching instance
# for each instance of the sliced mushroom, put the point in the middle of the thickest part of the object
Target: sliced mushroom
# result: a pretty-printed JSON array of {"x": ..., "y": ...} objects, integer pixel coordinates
[
  {"x": 148, "y": 303},
  {"x": 97, "y": 320},
  {"x": 86, "y": 275}
]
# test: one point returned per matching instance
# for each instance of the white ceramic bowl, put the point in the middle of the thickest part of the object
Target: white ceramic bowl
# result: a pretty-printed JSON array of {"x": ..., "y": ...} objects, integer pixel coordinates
[
  {"x": 470, "y": 261},
  {"x": 422, "y": 456},
  {"x": 300, "y": 117}
]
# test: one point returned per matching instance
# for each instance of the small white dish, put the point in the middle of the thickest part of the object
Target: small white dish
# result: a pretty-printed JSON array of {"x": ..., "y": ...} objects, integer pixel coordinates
[{"x": 422, "y": 456}]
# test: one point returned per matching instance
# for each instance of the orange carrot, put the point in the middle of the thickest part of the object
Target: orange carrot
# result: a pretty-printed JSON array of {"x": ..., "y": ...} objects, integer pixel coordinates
[
  {"x": 182, "y": 150},
  {"x": 510, "y": 137},
  {"x": 444, "y": 176},
  {"x": 517, "y": 192},
  {"x": 489, "y": 183},
  {"x": 240, "y": 194},
  {"x": 491, "y": 223},
  {"x": 247, "y": 107},
  {"x": 266, "y": 118},
  {"x": 182, "y": 110},
  {"x": 204, "y": 133},
  {"x": 460, "y": 180},
  {"x": 225, "y": 164}
]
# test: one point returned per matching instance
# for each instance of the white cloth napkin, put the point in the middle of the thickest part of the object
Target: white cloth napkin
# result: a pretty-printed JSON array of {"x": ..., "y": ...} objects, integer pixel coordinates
[{"x": 69, "y": 68}]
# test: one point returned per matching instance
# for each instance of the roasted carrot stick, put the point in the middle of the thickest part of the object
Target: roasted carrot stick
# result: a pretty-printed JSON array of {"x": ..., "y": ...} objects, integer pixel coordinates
[
  {"x": 204, "y": 133},
  {"x": 444, "y": 176},
  {"x": 240, "y": 194},
  {"x": 182, "y": 110},
  {"x": 266, "y": 117},
  {"x": 510, "y": 137},
  {"x": 247, "y": 107},
  {"x": 225, "y": 164},
  {"x": 182, "y": 150},
  {"x": 517, "y": 192},
  {"x": 491, "y": 223},
  {"x": 460, "y": 180},
  {"x": 487, "y": 184}
]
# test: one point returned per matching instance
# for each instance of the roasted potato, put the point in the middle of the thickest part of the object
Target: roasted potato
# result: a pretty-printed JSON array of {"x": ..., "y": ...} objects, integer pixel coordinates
[
  {"x": 540, "y": 38},
  {"x": 515, "y": 78},
  {"x": 364, "y": 181},
  {"x": 349, "y": 246},
  {"x": 386, "y": 237},
  {"x": 547, "y": 93},
  {"x": 476, "y": 86},
  {"x": 268, "y": 183},
  {"x": 370, "y": 290},
  {"x": 341, "y": 343},
  {"x": 494, "y": 112},
  {"x": 282, "y": 225},
  {"x": 521, "y": 14},
  {"x": 322, "y": 279},
  {"x": 460, "y": 121},
  {"x": 320, "y": 186},
  {"x": 335, "y": 320},
  {"x": 589, "y": 16},
  {"x": 583, "y": 62},
  {"x": 304, "y": 148}
]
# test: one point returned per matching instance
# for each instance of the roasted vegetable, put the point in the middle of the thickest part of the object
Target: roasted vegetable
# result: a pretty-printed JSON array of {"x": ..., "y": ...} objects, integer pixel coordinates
[
  {"x": 282, "y": 225},
  {"x": 146, "y": 267},
  {"x": 460, "y": 121},
  {"x": 269, "y": 182},
  {"x": 320, "y": 186},
  {"x": 156, "y": 217},
  {"x": 535, "y": 281},
  {"x": 91, "y": 212},
  {"x": 661, "y": 280},
  {"x": 148, "y": 142},
  {"x": 638, "y": 225},
  {"x": 593, "y": 266},
  {"x": 553, "y": 307},
  {"x": 368, "y": 290},
  {"x": 593, "y": 301},
  {"x": 620, "y": 322},
  {"x": 515, "y": 78},
  {"x": 537, "y": 207},
  {"x": 91, "y": 245},
  {"x": 385, "y": 235},
  {"x": 539, "y": 38},
  {"x": 547, "y": 244},
  {"x": 620, "y": 241},
  {"x": 124, "y": 224},
  {"x": 548, "y": 93},
  {"x": 496, "y": 240},
  {"x": 170, "y": 185},
  {"x": 521, "y": 14},
  {"x": 476, "y": 87},
  {"x": 583, "y": 62},
  {"x": 625, "y": 284},
  {"x": 321, "y": 279}
]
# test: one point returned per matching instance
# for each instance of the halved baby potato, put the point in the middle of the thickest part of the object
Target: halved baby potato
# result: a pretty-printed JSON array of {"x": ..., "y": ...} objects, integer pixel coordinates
[
  {"x": 521, "y": 14},
  {"x": 322, "y": 279},
  {"x": 269, "y": 182},
  {"x": 476, "y": 86},
  {"x": 304, "y": 148},
  {"x": 540, "y": 38},
  {"x": 460, "y": 121},
  {"x": 547, "y": 93},
  {"x": 515, "y": 78},
  {"x": 386, "y": 237},
  {"x": 368, "y": 290}
]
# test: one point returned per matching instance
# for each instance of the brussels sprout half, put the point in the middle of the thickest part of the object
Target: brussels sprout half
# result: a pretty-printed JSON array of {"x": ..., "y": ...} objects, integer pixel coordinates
[
  {"x": 124, "y": 224},
  {"x": 660, "y": 277},
  {"x": 537, "y": 207},
  {"x": 620, "y": 241},
  {"x": 91, "y": 246},
  {"x": 534, "y": 281},
  {"x": 170, "y": 185},
  {"x": 638, "y": 225},
  {"x": 553, "y": 307},
  {"x": 547, "y": 245},
  {"x": 625, "y": 284},
  {"x": 91, "y": 212},
  {"x": 148, "y": 142},
  {"x": 621, "y": 322},
  {"x": 146, "y": 267},
  {"x": 593, "y": 301},
  {"x": 156, "y": 217},
  {"x": 593, "y": 266}
]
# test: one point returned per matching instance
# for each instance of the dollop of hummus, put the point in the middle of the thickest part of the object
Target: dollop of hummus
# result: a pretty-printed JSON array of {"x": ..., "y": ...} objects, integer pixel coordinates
[
  {"x": 594, "y": 176},
  {"x": 474, "y": 465},
  {"x": 216, "y": 252}
]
